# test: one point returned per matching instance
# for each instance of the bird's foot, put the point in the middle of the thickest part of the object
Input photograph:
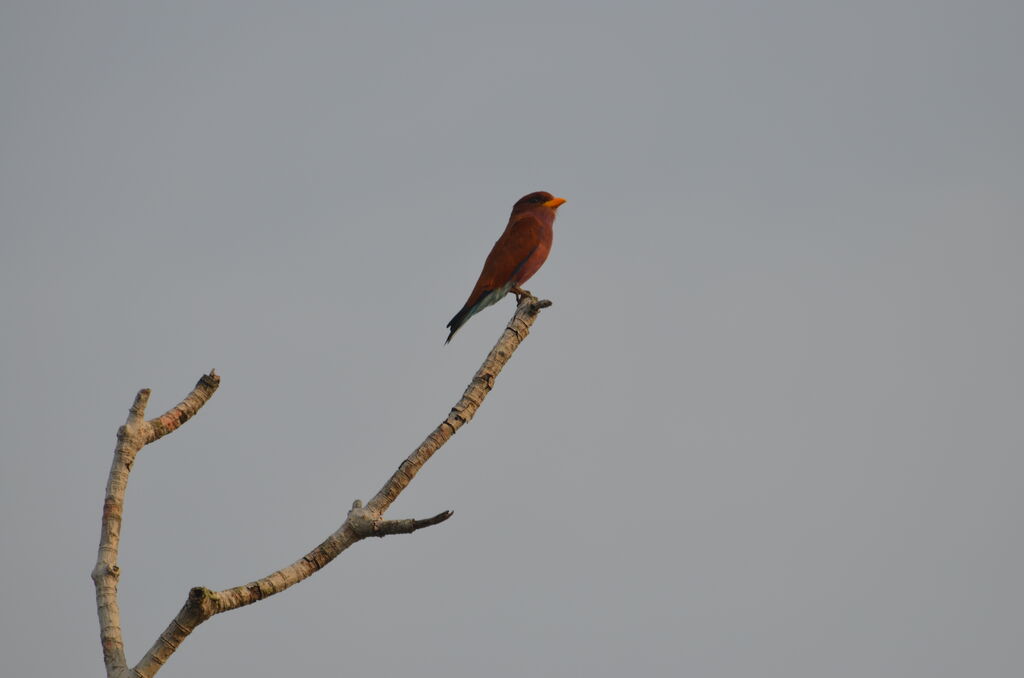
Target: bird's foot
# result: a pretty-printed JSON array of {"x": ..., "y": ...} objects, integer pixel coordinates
[{"x": 520, "y": 293}]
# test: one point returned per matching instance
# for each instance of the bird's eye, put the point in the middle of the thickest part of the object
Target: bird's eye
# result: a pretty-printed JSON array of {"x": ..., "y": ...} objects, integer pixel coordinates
[{"x": 536, "y": 199}]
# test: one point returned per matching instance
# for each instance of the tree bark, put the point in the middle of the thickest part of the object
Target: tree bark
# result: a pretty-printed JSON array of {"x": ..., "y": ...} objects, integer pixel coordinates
[{"x": 361, "y": 522}]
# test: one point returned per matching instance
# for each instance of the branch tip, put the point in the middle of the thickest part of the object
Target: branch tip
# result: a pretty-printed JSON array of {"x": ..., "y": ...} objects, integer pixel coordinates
[
  {"x": 138, "y": 408},
  {"x": 441, "y": 517}
]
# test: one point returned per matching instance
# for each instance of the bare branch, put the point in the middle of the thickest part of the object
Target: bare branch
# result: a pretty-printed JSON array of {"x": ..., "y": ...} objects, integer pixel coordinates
[
  {"x": 203, "y": 603},
  {"x": 366, "y": 523},
  {"x": 409, "y": 525},
  {"x": 131, "y": 438},
  {"x": 482, "y": 383},
  {"x": 169, "y": 421}
]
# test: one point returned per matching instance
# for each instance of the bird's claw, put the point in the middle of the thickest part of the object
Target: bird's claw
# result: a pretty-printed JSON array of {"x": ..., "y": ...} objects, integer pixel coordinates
[{"x": 520, "y": 293}]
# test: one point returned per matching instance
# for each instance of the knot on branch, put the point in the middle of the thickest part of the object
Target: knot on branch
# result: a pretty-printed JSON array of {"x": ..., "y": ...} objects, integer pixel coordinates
[
  {"x": 362, "y": 521},
  {"x": 103, "y": 570},
  {"x": 201, "y": 604}
]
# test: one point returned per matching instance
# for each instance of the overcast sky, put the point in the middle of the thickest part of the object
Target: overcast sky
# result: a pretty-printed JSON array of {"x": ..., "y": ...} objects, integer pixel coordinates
[{"x": 772, "y": 425}]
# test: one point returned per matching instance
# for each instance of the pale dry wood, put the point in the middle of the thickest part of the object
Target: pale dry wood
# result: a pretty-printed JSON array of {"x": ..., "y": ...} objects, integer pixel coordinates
[
  {"x": 472, "y": 398},
  {"x": 360, "y": 523},
  {"x": 132, "y": 437}
]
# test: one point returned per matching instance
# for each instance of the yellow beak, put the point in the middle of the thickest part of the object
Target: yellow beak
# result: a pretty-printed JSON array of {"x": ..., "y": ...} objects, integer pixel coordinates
[{"x": 554, "y": 202}]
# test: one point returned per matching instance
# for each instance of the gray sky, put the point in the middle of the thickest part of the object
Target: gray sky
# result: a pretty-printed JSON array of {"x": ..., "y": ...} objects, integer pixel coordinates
[{"x": 772, "y": 425}]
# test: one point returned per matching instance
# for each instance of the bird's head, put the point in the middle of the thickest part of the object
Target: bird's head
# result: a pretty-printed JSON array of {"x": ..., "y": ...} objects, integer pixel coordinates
[{"x": 538, "y": 201}]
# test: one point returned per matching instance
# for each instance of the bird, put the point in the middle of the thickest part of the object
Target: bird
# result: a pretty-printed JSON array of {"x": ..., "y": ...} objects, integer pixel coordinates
[{"x": 517, "y": 255}]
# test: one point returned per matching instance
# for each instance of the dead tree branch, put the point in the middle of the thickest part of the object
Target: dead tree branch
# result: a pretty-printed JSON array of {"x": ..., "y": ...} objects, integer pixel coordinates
[
  {"x": 360, "y": 523},
  {"x": 132, "y": 437}
]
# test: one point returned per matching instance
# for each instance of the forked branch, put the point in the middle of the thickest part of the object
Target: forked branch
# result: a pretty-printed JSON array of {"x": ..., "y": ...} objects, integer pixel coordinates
[
  {"x": 132, "y": 437},
  {"x": 360, "y": 523}
]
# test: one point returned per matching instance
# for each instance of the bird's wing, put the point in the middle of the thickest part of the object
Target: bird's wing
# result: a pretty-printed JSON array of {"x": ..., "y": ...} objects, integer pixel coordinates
[
  {"x": 510, "y": 252},
  {"x": 501, "y": 269}
]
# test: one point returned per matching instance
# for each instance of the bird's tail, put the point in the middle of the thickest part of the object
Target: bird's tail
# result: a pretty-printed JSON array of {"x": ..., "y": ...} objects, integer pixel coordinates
[
  {"x": 486, "y": 298},
  {"x": 458, "y": 321}
]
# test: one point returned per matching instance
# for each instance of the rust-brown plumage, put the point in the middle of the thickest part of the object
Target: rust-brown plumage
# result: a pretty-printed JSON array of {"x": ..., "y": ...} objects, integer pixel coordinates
[{"x": 517, "y": 255}]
